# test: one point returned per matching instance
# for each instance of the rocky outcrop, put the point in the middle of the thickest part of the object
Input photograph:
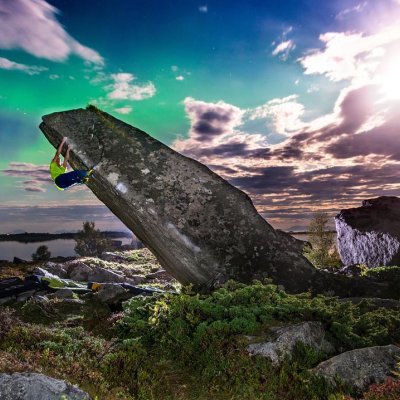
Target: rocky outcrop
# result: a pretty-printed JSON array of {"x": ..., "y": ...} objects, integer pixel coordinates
[
  {"x": 359, "y": 368},
  {"x": 284, "y": 340},
  {"x": 202, "y": 230},
  {"x": 370, "y": 234},
  {"x": 31, "y": 386}
]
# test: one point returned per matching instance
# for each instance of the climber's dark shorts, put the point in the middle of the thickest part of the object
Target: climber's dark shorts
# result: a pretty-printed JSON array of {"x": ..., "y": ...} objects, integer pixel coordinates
[{"x": 69, "y": 179}]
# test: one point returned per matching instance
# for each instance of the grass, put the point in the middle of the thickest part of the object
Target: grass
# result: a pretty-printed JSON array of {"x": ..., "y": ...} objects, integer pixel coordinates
[{"x": 187, "y": 346}]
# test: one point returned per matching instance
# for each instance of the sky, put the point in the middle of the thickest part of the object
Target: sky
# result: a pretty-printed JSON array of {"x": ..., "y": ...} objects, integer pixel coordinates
[{"x": 296, "y": 102}]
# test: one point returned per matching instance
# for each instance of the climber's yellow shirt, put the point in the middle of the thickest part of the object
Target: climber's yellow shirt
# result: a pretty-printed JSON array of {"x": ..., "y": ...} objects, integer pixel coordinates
[{"x": 56, "y": 170}]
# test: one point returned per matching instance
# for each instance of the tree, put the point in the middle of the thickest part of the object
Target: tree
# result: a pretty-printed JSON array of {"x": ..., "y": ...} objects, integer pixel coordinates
[
  {"x": 90, "y": 241},
  {"x": 42, "y": 254},
  {"x": 323, "y": 251}
]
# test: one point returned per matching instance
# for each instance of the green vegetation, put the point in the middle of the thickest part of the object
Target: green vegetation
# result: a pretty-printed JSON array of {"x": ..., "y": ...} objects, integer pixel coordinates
[
  {"x": 323, "y": 252},
  {"x": 42, "y": 254},
  {"x": 187, "y": 346},
  {"x": 90, "y": 241}
]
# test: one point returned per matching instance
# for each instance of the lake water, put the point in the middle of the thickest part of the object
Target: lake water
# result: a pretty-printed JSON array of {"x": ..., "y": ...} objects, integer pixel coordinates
[{"x": 58, "y": 247}]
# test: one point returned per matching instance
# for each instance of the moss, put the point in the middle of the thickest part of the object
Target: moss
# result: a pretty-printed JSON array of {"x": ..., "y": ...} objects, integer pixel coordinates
[
  {"x": 190, "y": 346},
  {"x": 383, "y": 273}
]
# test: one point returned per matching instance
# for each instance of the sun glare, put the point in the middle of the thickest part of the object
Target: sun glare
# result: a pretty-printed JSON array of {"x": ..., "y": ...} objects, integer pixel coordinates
[{"x": 390, "y": 79}]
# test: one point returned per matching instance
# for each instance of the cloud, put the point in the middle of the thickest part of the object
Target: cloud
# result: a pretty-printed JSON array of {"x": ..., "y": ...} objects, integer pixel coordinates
[
  {"x": 5, "y": 63},
  {"x": 180, "y": 78},
  {"x": 283, "y": 49},
  {"x": 351, "y": 56},
  {"x": 358, "y": 8},
  {"x": 36, "y": 177},
  {"x": 331, "y": 162},
  {"x": 123, "y": 110},
  {"x": 285, "y": 114},
  {"x": 203, "y": 9},
  {"x": 122, "y": 89},
  {"x": 211, "y": 118},
  {"x": 214, "y": 133},
  {"x": 174, "y": 68},
  {"x": 31, "y": 25}
]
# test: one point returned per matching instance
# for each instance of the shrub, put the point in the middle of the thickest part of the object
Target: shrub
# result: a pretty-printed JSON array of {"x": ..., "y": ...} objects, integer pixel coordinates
[
  {"x": 388, "y": 390},
  {"x": 42, "y": 254},
  {"x": 90, "y": 241},
  {"x": 323, "y": 251}
]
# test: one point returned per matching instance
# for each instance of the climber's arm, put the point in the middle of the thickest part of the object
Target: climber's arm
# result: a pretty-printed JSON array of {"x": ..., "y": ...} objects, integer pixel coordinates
[
  {"x": 59, "y": 149},
  {"x": 66, "y": 158}
]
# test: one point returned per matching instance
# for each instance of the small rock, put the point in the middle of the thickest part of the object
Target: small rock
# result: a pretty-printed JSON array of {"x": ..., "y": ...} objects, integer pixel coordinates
[
  {"x": 135, "y": 279},
  {"x": 18, "y": 260},
  {"x": 350, "y": 270},
  {"x": 56, "y": 269},
  {"x": 361, "y": 367},
  {"x": 78, "y": 271},
  {"x": 310, "y": 333},
  {"x": 64, "y": 293},
  {"x": 40, "y": 299},
  {"x": 160, "y": 274},
  {"x": 25, "y": 296},
  {"x": 112, "y": 294},
  {"x": 6, "y": 300},
  {"x": 73, "y": 301},
  {"x": 113, "y": 257},
  {"x": 42, "y": 272},
  {"x": 32, "y": 386}
]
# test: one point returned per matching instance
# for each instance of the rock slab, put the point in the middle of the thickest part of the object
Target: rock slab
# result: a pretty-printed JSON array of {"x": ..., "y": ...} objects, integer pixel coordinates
[
  {"x": 31, "y": 386},
  {"x": 361, "y": 367},
  {"x": 311, "y": 333},
  {"x": 370, "y": 234},
  {"x": 202, "y": 229}
]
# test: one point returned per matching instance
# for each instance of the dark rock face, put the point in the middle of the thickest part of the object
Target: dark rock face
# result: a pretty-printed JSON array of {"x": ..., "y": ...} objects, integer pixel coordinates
[
  {"x": 370, "y": 234},
  {"x": 202, "y": 230}
]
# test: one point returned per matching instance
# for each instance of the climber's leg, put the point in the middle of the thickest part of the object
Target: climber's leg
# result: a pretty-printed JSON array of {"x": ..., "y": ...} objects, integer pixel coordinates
[{"x": 72, "y": 178}]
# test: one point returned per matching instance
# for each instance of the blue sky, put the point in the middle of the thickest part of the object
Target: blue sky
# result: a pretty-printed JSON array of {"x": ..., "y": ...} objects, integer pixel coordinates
[{"x": 293, "y": 102}]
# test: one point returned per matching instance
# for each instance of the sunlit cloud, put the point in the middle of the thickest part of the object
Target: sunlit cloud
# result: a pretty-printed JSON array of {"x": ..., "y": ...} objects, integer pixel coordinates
[
  {"x": 284, "y": 48},
  {"x": 123, "y": 89},
  {"x": 5, "y": 63},
  {"x": 284, "y": 113},
  {"x": 32, "y": 25},
  {"x": 357, "y": 8},
  {"x": 123, "y": 110},
  {"x": 352, "y": 56}
]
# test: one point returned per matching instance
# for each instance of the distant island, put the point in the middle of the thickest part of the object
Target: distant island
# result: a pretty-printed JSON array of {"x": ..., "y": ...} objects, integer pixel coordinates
[{"x": 44, "y": 237}]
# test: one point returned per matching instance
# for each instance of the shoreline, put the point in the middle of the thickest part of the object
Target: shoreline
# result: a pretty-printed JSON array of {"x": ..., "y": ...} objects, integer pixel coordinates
[{"x": 44, "y": 237}]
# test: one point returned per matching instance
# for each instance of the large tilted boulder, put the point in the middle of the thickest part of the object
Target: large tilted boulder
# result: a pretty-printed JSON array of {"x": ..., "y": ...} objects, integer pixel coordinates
[
  {"x": 202, "y": 229},
  {"x": 32, "y": 386},
  {"x": 370, "y": 234}
]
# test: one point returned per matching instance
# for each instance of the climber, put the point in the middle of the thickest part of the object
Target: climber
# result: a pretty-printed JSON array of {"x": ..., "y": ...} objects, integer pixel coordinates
[{"x": 62, "y": 179}]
